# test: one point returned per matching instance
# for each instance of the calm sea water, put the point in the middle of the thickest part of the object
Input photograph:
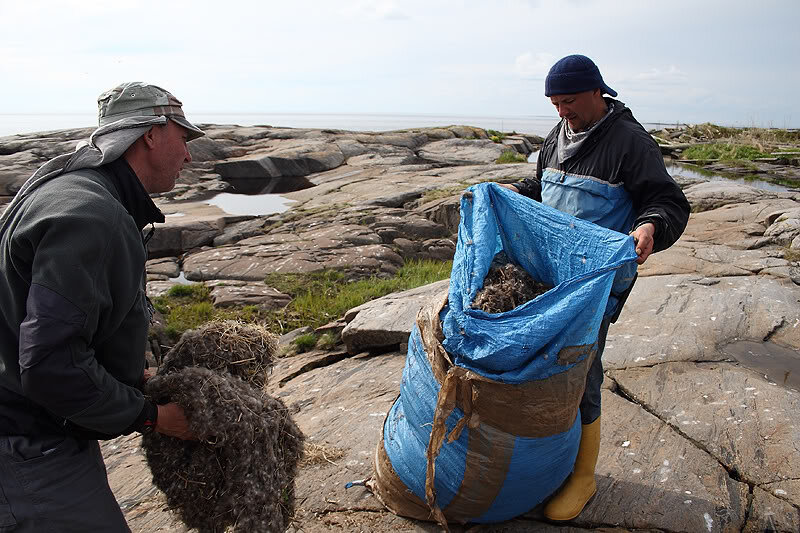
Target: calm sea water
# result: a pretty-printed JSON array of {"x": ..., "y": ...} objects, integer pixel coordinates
[{"x": 11, "y": 124}]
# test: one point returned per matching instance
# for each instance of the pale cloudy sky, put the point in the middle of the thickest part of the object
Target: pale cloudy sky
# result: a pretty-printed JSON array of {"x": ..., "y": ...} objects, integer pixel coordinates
[{"x": 734, "y": 62}]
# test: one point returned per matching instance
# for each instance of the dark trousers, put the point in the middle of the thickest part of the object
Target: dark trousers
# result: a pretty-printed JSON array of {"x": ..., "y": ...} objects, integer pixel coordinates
[
  {"x": 590, "y": 403},
  {"x": 55, "y": 484}
]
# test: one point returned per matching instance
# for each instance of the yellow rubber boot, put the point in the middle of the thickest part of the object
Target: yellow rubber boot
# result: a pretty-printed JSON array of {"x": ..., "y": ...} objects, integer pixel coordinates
[{"x": 579, "y": 488}]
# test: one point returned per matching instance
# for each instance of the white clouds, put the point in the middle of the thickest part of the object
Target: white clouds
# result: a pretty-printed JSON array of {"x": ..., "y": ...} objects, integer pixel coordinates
[
  {"x": 412, "y": 56},
  {"x": 375, "y": 9},
  {"x": 534, "y": 65},
  {"x": 671, "y": 74}
]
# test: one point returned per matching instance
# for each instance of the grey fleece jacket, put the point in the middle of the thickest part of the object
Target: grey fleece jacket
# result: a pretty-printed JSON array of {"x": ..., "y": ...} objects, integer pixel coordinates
[{"x": 75, "y": 317}]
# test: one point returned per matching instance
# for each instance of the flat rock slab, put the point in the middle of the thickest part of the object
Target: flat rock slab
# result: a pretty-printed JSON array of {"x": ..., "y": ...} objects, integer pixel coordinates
[
  {"x": 159, "y": 287},
  {"x": 290, "y": 367},
  {"x": 347, "y": 248},
  {"x": 713, "y": 194},
  {"x": 651, "y": 477},
  {"x": 685, "y": 317},
  {"x": 367, "y": 522},
  {"x": 387, "y": 321},
  {"x": 188, "y": 225},
  {"x": 746, "y": 423},
  {"x": 341, "y": 408},
  {"x": 166, "y": 267},
  {"x": 463, "y": 151},
  {"x": 241, "y": 294},
  {"x": 771, "y": 513},
  {"x": 348, "y": 185},
  {"x": 788, "y": 490},
  {"x": 711, "y": 260}
]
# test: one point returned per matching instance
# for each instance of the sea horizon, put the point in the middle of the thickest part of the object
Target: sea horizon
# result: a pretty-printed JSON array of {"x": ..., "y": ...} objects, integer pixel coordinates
[{"x": 22, "y": 123}]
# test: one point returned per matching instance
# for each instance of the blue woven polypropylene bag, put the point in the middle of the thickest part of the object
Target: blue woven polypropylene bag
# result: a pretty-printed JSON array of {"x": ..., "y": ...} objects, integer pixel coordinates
[
  {"x": 486, "y": 423},
  {"x": 578, "y": 258}
]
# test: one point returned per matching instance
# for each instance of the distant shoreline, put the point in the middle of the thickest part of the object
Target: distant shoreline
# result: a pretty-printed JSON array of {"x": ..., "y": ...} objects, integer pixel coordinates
[{"x": 25, "y": 123}]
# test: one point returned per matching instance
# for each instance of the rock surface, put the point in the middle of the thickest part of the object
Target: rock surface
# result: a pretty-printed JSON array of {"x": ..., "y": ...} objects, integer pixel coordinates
[
  {"x": 693, "y": 440},
  {"x": 387, "y": 321}
]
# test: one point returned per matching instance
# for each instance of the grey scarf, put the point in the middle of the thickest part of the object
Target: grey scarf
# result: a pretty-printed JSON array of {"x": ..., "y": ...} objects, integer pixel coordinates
[{"x": 569, "y": 142}]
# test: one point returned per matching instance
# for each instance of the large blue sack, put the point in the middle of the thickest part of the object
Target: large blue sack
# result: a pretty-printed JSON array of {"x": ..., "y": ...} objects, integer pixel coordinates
[
  {"x": 486, "y": 425},
  {"x": 578, "y": 258}
]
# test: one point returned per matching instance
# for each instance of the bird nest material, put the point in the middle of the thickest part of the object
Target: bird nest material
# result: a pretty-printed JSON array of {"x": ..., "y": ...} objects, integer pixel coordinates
[
  {"x": 241, "y": 470},
  {"x": 246, "y": 351},
  {"x": 507, "y": 286}
]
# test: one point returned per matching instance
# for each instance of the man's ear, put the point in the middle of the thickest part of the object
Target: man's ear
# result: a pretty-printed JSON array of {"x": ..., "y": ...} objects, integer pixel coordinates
[{"x": 149, "y": 138}]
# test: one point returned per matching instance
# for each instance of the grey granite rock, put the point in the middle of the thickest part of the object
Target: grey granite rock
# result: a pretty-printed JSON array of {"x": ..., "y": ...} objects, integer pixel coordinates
[
  {"x": 462, "y": 152},
  {"x": 679, "y": 451},
  {"x": 241, "y": 294},
  {"x": 387, "y": 321}
]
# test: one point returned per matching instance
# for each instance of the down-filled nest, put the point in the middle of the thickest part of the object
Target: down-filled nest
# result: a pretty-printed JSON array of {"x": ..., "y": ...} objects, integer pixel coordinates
[
  {"x": 507, "y": 286},
  {"x": 240, "y": 472},
  {"x": 246, "y": 351}
]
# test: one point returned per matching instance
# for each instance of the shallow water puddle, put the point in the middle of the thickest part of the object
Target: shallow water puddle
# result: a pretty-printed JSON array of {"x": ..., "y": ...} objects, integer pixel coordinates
[
  {"x": 776, "y": 362},
  {"x": 691, "y": 171},
  {"x": 255, "y": 204},
  {"x": 181, "y": 279}
]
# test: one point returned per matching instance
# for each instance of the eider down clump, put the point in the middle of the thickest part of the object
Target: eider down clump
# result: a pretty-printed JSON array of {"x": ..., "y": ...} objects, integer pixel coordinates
[
  {"x": 507, "y": 286},
  {"x": 240, "y": 472}
]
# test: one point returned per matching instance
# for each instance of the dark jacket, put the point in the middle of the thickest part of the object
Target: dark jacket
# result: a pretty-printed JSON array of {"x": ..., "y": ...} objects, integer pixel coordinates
[
  {"x": 616, "y": 179},
  {"x": 620, "y": 153},
  {"x": 75, "y": 316}
]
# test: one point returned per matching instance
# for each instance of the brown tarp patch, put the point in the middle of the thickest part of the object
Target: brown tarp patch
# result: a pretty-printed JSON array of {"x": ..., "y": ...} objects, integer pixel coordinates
[
  {"x": 569, "y": 355},
  {"x": 392, "y": 492},
  {"x": 488, "y": 457},
  {"x": 540, "y": 408}
]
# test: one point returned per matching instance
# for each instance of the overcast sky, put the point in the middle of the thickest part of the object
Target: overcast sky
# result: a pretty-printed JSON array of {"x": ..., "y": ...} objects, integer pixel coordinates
[{"x": 731, "y": 62}]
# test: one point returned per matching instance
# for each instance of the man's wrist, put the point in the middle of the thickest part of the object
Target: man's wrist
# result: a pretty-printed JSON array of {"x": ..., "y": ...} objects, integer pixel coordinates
[
  {"x": 148, "y": 418},
  {"x": 647, "y": 220}
]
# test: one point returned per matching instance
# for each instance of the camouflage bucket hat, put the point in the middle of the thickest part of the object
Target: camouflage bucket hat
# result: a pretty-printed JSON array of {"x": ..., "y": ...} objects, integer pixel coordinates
[{"x": 137, "y": 99}]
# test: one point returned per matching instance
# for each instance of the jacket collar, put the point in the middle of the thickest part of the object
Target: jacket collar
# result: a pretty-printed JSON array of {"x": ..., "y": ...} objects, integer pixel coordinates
[{"x": 131, "y": 193}]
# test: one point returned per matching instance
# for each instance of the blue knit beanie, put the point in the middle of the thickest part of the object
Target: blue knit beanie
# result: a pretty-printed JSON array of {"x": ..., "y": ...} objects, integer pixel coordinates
[{"x": 575, "y": 74}]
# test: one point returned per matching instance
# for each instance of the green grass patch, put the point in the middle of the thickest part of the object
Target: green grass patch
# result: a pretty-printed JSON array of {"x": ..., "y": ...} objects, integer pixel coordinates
[
  {"x": 446, "y": 192},
  {"x": 305, "y": 342},
  {"x": 320, "y": 297},
  {"x": 187, "y": 307},
  {"x": 786, "y": 182},
  {"x": 510, "y": 156},
  {"x": 496, "y": 136},
  {"x": 723, "y": 152},
  {"x": 328, "y": 341},
  {"x": 757, "y": 136}
]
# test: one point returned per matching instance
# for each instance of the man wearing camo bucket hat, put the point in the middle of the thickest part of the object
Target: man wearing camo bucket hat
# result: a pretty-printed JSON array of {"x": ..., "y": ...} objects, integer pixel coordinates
[{"x": 75, "y": 316}]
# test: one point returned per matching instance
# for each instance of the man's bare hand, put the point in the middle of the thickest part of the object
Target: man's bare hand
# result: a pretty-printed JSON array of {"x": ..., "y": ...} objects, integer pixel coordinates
[
  {"x": 172, "y": 422},
  {"x": 148, "y": 373},
  {"x": 509, "y": 186},
  {"x": 643, "y": 237}
]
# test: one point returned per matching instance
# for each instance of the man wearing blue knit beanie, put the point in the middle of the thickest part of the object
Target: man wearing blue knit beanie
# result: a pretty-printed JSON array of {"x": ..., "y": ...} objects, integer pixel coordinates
[{"x": 599, "y": 164}]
